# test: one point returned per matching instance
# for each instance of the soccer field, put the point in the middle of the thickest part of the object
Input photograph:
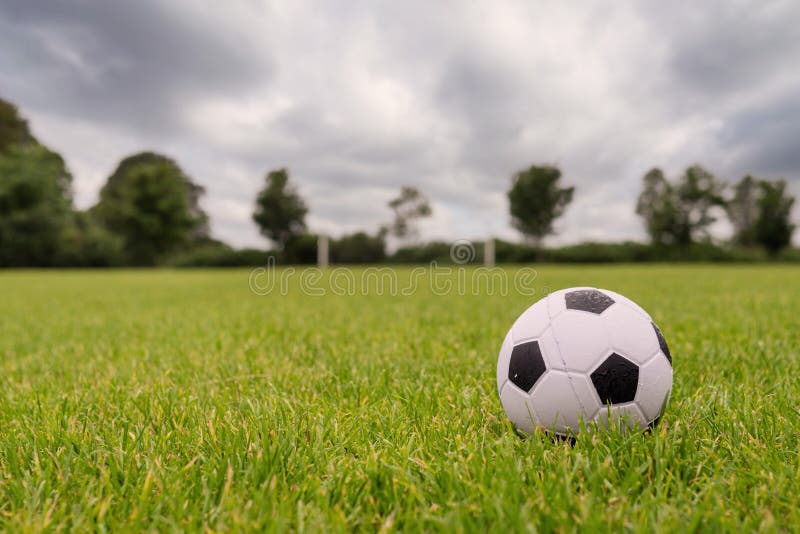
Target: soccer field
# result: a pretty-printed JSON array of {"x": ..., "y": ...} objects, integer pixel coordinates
[{"x": 186, "y": 400}]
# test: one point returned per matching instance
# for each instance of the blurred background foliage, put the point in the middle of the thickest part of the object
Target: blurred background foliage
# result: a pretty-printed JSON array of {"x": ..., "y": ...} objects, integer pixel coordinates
[{"x": 149, "y": 214}]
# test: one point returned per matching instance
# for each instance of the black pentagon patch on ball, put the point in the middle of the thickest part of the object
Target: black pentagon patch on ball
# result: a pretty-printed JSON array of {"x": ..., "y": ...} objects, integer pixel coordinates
[
  {"x": 616, "y": 380},
  {"x": 588, "y": 300},
  {"x": 662, "y": 342},
  {"x": 526, "y": 365}
]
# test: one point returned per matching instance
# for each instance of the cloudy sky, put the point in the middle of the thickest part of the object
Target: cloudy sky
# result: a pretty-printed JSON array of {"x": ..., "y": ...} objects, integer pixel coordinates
[{"x": 357, "y": 98}]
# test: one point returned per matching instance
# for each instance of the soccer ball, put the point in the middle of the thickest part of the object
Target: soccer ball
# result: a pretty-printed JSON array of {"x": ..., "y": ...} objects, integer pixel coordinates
[{"x": 581, "y": 356}]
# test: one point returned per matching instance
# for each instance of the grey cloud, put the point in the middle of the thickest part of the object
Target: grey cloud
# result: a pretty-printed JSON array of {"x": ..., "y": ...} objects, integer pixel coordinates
[
  {"x": 135, "y": 65},
  {"x": 730, "y": 46},
  {"x": 764, "y": 139}
]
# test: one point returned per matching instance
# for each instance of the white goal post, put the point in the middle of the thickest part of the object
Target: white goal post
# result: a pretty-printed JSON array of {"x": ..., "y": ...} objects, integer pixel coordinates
[
  {"x": 323, "y": 251},
  {"x": 488, "y": 253}
]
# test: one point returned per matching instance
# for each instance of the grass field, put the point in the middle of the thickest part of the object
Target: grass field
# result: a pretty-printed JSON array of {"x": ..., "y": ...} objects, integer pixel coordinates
[{"x": 182, "y": 400}]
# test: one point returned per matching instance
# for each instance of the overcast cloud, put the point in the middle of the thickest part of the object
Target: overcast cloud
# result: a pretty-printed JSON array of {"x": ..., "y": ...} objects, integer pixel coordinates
[{"x": 358, "y": 98}]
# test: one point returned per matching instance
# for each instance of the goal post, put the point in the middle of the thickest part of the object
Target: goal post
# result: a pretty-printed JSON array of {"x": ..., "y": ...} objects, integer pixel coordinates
[
  {"x": 323, "y": 251},
  {"x": 488, "y": 253}
]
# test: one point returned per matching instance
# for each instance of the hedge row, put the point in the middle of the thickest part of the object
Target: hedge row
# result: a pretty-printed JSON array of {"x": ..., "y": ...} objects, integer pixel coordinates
[{"x": 366, "y": 249}]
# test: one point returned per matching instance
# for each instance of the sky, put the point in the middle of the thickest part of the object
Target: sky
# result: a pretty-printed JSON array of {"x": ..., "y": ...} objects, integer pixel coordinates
[{"x": 357, "y": 98}]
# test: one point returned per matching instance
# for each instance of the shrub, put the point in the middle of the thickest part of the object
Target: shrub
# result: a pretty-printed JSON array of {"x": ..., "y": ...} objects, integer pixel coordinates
[
  {"x": 358, "y": 248},
  {"x": 221, "y": 256},
  {"x": 300, "y": 250},
  {"x": 85, "y": 243}
]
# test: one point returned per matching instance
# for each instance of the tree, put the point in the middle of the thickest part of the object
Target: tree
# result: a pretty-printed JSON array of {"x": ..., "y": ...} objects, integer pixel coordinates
[
  {"x": 773, "y": 227},
  {"x": 699, "y": 192},
  {"x": 408, "y": 207},
  {"x": 658, "y": 206},
  {"x": 153, "y": 206},
  {"x": 280, "y": 211},
  {"x": 743, "y": 210},
  {"x": 38, "y": 226},
  {"x": 193, "y": 192},
  {"x": 760, "y": 212},
  {"x": 13, "y": 128},
  {"x": 35, "y": 205},
  {"x": 536, "y": 201},
  {"x": 679, "y": 214}
]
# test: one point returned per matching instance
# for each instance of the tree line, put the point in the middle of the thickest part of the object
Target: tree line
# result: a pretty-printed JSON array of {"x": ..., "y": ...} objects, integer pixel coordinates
[
  {"x": 677, "y": 213},
  {"x": 148, "y": 209},
  {"x": 149, "y": 213}
]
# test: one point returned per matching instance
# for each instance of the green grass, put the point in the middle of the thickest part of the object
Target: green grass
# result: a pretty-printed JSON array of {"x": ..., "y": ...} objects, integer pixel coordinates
[{"x": 165, "y": 400}]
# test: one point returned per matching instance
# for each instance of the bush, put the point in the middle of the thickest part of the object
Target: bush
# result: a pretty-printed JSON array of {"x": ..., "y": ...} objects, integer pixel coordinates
[
  {"x": 301, "y": 250},
  {"x": 358, "y": 248},
  {"x": 789, "y": 254},
  {"x": 706, "y": 252},
  {"x": 221, "y": 256},
  {"x": 507, "y": 252},
  {"x": 625, "y": 252},
  {"x": 437, "y": 251},
  {"x": 85, "y": 243},
  {"x": 600, "y": 253}
]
